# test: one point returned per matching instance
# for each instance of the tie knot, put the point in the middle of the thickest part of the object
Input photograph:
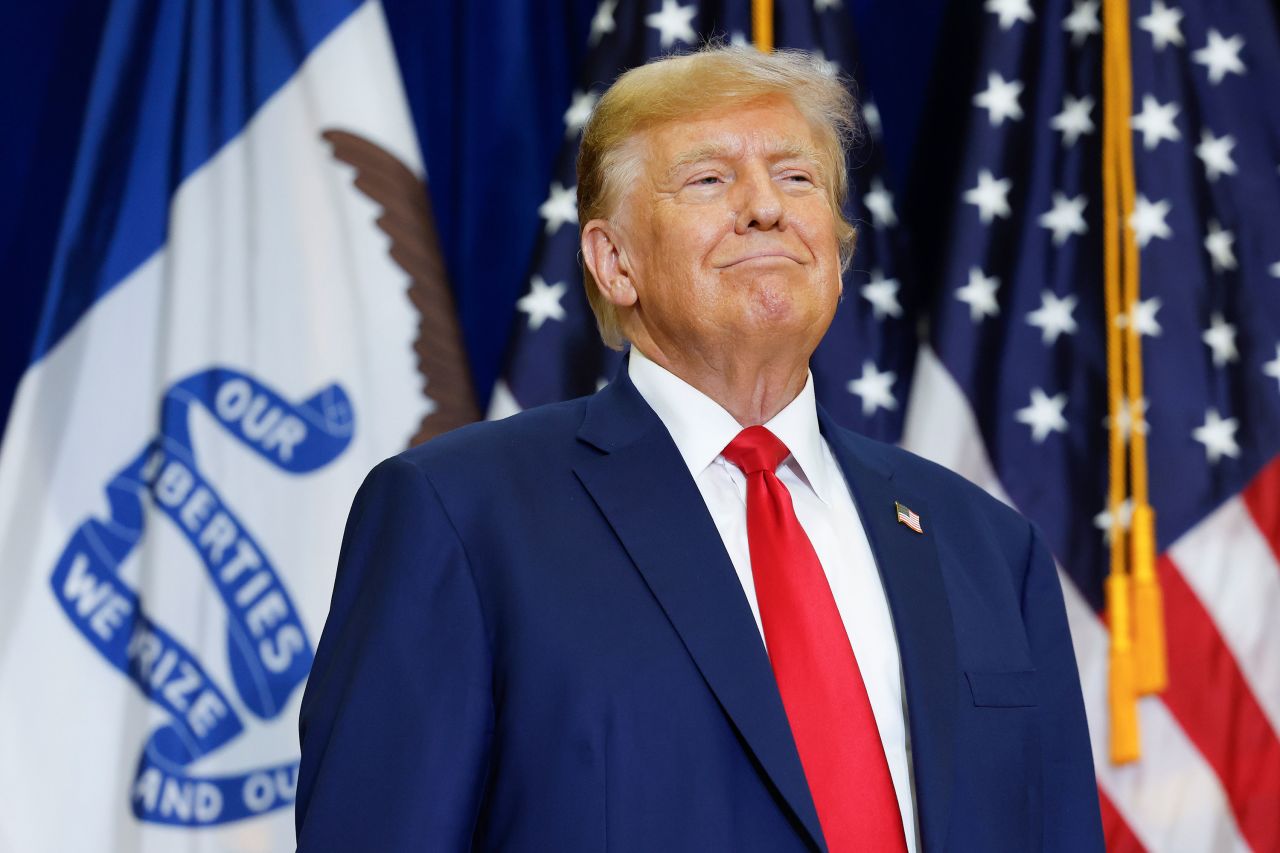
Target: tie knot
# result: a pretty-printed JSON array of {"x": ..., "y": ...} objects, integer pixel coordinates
[{"x": 756, "y": 449}]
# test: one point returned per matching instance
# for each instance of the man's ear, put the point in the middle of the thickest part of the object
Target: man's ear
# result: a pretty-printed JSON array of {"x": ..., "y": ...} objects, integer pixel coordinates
[{"x": 607, "y": 261}]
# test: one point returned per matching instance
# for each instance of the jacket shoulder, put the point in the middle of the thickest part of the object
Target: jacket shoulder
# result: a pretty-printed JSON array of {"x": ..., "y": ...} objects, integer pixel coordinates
[{"x": 501, "y": 446}]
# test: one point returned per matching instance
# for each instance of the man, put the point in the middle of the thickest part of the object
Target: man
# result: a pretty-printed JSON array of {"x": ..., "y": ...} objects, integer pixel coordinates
[{"x": 690, "y": 612}]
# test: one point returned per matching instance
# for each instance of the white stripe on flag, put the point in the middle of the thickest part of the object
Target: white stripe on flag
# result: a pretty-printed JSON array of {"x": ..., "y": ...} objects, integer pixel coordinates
[
  {"x": 941, "y": 426},
  {"x": 1233, "y": 571},
  {"x": 502, "y": 403}
]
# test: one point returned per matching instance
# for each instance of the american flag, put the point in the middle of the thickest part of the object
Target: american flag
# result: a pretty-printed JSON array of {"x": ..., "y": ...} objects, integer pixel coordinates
[
  {"x": 1018, "y": 345},
  {"x": 1008, "y": 385},
  {"x": 909, "y": 517}
]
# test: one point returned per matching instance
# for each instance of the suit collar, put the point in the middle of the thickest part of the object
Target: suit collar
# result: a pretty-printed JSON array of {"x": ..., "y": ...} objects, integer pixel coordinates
[{"x": 616, "y": 415}]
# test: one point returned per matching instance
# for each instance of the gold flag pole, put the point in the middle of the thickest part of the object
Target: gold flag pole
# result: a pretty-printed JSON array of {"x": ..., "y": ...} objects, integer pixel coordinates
[{"x": 762, "y": 25}]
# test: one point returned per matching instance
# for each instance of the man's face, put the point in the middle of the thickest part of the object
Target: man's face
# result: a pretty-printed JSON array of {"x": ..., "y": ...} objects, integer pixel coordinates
[{"x": 729, "y": 236}]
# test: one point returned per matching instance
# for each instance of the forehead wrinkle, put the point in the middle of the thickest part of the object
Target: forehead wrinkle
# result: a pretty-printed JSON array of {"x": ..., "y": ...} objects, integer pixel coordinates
[{"x": 774, "y": 150}]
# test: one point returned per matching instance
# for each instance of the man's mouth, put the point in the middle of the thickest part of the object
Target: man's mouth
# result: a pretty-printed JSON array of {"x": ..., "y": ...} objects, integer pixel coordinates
[{"x": 763, "y": 257}]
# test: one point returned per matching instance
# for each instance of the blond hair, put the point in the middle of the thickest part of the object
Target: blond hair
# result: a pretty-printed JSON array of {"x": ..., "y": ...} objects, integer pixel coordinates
[{"x": 677, "y": 87}]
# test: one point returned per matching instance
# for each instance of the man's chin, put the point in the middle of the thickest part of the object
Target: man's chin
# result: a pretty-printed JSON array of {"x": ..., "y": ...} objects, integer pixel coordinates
[{"x": 780, "y": 324}]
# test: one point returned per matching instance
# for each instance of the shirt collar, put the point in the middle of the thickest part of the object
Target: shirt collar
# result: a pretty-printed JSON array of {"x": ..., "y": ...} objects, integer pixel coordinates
[{"x": 701, "y": 428}]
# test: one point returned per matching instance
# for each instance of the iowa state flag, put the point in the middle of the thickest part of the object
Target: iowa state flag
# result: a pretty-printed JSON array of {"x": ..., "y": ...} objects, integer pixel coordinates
[{"x": 226, "y": 349}]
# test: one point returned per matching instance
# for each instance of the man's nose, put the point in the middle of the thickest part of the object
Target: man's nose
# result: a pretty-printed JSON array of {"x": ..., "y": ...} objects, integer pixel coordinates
[{"x": 760, "y": 203}]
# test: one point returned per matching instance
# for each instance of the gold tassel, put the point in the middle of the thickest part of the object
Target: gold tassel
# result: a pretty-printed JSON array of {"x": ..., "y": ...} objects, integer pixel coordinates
[
  {"x": 1122, "y": 697},
  {"x": 1150, "y": 668}
]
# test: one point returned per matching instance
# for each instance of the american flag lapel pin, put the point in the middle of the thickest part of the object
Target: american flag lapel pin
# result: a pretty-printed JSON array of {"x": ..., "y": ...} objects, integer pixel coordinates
[{"x": 907, "y": 517}]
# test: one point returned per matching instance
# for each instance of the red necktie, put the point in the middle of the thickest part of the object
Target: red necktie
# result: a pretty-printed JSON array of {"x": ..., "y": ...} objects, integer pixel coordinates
[{"x": 817, "y": 674}]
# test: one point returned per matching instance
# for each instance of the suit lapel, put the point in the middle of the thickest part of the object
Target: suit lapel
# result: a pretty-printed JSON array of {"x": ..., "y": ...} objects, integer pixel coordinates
[
  {"x": 908, "y": 564},
  {"x": 643, "y": 488}
]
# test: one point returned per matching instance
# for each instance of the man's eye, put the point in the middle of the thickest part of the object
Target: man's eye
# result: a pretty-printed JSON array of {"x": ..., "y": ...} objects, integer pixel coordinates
[
  {"x": 706, "y": 180},
  {"x": 798, "y": 177}
]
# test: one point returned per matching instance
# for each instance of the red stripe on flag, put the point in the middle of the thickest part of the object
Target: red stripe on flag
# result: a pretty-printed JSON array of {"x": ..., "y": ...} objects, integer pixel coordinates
[
  {"x": 1262, "y": 497},
  {"x": 1212, "y": 702},
  {"x": 1120, "y": 838}
]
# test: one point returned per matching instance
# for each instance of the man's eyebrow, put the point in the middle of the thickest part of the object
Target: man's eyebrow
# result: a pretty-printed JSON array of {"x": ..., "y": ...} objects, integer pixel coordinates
[
  {"x": 714, "y": 151},
  {"x": 706, "y": 151},
  {"x": 797, "y": 151}
]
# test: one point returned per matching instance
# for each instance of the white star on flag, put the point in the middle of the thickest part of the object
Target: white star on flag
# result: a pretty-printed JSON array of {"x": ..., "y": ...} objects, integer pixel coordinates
[
  {"x": 603, "y": 21},
  {"x": 1218, "y": 243},
  {"x": 560, "y": 208},
  {"x": 1124, "y": 518},
  {"x": 1220, "y": 56},
  {"x": 1155, "y": 122},
  {"x": 979, "y": 293},
  {"x": 882, "y": 293},
  {"x": 542, "y": 302},
  {"x": 1011, "y": 11},
  {"x": 871, "y": 117},
  {"x": 828, "y": 67},
  {"x": 1125, "y": 419},
  {"x": 1043, "y": 415},
  {"x": 1074, "y": 120},
  {"x": 1065, "y": 218},
  {"x": 990, "y": 196},
  {"x": 1000, "y": 99},
  {"x": 1053, "y": 317},
  {"x": 824, "y": 5},
  {"x": 739, "y": 39},
  {"x": 1083, "y": 21},
  {"x": 1215, "y": 153},
  {"x": 1272, "y": 368},
  {"x": 874, "y": 389},
  {"x": 1274, "y": 269},
  {"x": 1144, "y": 318},
  {"x": 879, "y": 202},
  {"x": 1218, "y": 436},
  {"x": 578, "y": 113},
  {"x": 673, "y": 23},
  {"x": 1162, "y": 23},
  {"x": 1220, "y": 337},
  {"x": 1147, "y": 220}
]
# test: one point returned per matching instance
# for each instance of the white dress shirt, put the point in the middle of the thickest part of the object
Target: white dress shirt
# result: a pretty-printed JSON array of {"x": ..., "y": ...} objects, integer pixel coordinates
[{"x": 701, "y": 428}]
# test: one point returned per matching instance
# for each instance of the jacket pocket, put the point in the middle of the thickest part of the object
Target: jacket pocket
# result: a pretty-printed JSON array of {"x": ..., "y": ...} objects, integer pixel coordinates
[{"x": 1003, "y": 689}]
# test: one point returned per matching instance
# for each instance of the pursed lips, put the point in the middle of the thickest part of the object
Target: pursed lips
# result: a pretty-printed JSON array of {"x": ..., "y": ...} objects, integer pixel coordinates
[{"x": 765, "y": 256}]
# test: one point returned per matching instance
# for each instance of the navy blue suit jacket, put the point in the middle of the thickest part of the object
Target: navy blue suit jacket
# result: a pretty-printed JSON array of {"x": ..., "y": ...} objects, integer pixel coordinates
[{"x": 538, "y": 642}]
